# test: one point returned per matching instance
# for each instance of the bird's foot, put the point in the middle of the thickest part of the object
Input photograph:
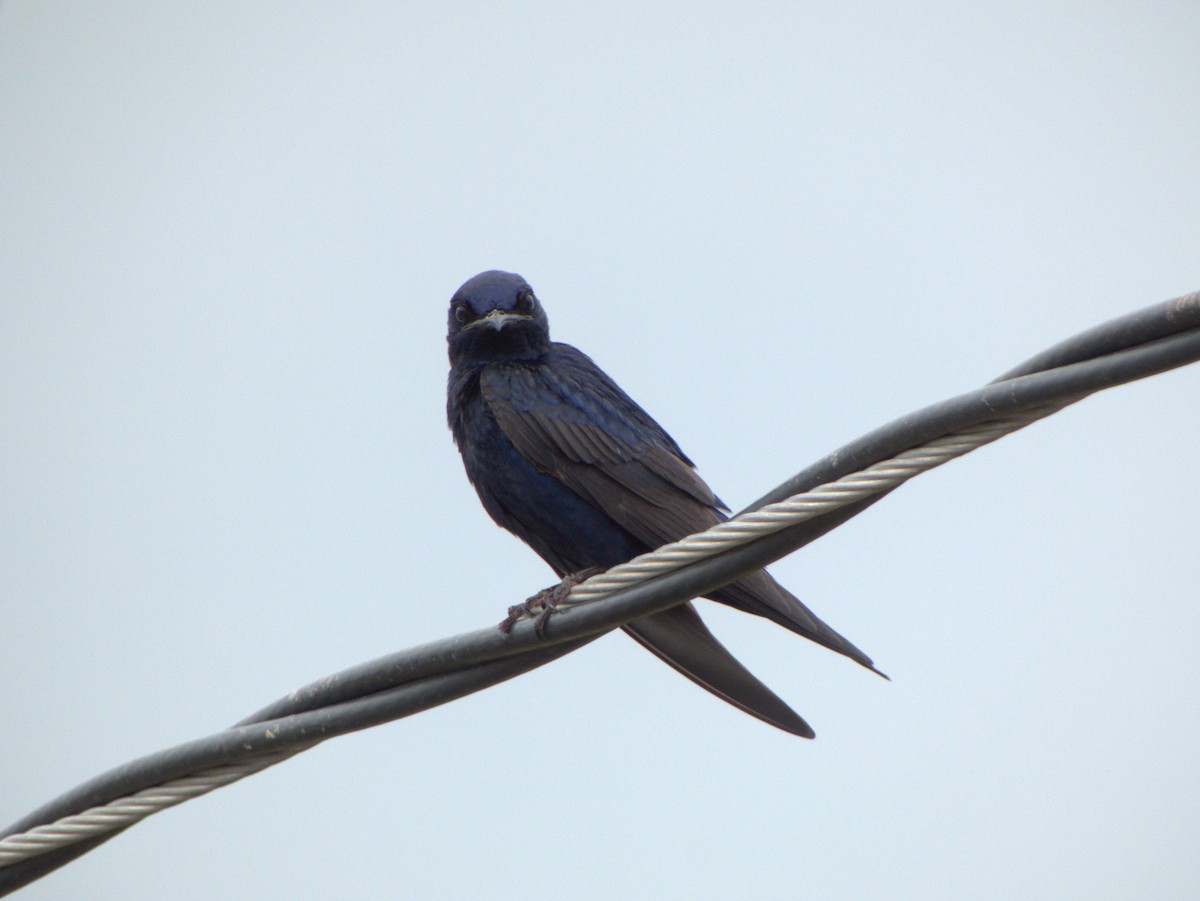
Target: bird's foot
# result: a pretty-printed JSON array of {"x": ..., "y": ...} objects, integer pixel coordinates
[{"x": 546, "y": 601}]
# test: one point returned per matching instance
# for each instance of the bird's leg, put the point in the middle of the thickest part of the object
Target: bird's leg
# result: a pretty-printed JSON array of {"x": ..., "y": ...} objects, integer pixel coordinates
[{"x": 546, "y": 601}]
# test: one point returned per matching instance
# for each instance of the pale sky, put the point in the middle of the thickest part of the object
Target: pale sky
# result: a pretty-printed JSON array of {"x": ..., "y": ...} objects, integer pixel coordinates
[{"x": 230, "y": 234}]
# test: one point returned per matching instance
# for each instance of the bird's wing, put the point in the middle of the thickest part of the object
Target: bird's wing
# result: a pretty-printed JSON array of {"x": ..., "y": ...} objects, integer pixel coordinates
[{"x": 571, "y": 421}]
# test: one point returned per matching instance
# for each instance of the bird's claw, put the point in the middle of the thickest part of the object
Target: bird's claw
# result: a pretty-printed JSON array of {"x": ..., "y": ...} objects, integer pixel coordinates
[{"x": 546, "y": 602}]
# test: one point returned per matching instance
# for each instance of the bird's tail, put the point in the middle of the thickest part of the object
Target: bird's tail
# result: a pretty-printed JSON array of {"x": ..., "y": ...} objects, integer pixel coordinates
[
  {"x": 679, "y": 637},
  {"x": 760, "y": 594}
]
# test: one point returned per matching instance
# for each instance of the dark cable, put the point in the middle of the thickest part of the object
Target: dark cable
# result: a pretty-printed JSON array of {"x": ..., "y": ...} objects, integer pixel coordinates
[{"x": 1150, "y": 341}]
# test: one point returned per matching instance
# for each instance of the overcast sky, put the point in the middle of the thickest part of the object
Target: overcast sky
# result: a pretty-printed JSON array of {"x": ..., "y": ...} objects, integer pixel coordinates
[{"x": 228, "y": 236}]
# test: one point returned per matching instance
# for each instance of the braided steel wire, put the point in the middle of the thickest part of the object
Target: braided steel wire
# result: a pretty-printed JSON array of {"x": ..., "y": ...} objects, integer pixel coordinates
[
  {"x": 813, "y": 502},
  {"x": 743, "y": 529},
  {"x": 124, "y": 812}
]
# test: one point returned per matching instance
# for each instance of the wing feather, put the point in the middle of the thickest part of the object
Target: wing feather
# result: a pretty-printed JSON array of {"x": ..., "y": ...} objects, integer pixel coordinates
[{"x": 571, "y": 421}]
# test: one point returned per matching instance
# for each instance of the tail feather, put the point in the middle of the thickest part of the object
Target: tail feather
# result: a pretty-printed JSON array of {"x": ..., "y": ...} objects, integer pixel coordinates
[
  {"x": 679, "y": 637},
  {"x": 760, "y": 594}
]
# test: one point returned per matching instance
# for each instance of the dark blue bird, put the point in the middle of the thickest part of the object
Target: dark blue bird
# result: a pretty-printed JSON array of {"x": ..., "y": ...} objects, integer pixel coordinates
[{"x": 566, "y": 461}]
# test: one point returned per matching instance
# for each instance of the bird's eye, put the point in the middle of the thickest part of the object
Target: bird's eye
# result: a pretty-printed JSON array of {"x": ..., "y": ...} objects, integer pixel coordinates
[
  {"x": 461, "y": 314},
  {"x": 526, "y": 303}
]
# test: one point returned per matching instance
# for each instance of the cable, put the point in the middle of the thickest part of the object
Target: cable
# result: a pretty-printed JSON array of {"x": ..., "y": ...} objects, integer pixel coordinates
[
  {"x": 1135, "y": 346},
  {"x": 743, "y": 529},
  {"x": 124, "y": 812}
]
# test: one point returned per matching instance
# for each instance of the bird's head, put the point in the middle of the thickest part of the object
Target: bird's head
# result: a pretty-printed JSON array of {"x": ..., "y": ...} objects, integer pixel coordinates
[{"x": 495, "y": 316}]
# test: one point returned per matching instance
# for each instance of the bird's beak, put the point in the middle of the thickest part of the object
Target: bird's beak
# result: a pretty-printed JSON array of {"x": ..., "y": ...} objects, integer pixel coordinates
[{"x": 497, "y": 319}]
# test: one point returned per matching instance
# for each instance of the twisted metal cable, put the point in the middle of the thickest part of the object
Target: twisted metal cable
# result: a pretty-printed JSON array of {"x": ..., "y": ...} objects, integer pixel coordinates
[
  {"x": 1149, "y": 341},
  {"x": 123, "y": 812},
  {"x": 747, "y": 527},
  {"x": 883, "y": 476}
]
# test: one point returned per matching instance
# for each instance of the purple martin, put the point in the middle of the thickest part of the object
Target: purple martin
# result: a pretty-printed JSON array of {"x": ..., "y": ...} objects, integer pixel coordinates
[{"x": 570, "y": 464}]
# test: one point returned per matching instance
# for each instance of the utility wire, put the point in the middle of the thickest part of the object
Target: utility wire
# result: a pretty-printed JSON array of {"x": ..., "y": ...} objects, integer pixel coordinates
[
  {"x": 1144, "y": 343},
  {"x": 124, "y": 812}
]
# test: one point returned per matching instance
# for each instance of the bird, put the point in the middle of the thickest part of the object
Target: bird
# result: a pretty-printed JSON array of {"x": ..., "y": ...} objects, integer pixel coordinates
[{"x": 568, "y": 462}]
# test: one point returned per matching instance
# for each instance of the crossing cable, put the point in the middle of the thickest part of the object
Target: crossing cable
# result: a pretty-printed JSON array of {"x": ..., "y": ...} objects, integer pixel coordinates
[
  {"x": 1144, "y": 343},
  {"x": 124, "y": 812}
]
